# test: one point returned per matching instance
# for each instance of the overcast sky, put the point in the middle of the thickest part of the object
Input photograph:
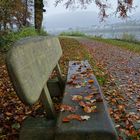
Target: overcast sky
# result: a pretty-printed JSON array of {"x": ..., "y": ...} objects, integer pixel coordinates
[
  {"x": 51, "y": 9},
  {"x": 59, "y": 17}
]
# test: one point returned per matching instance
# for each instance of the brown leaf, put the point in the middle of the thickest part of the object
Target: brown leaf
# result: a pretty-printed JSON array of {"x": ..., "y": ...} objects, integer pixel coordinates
[
  {"x": 88, "y": 97},
  {"x": 88, "y": 109},
  {"x": 64, "y": 107},
  {"x": 65, "y": 120},
  {"x": 82, "y": 104},
  {"x": 90, "y": 81},
  {"x": 8, "y": 114},
  {"x": 74, "y": 117},
  {"x": 77, "y": 97}
]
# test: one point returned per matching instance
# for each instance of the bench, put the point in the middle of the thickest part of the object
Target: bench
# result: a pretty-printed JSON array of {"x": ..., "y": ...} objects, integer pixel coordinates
[{"x": 83, "y": 112}]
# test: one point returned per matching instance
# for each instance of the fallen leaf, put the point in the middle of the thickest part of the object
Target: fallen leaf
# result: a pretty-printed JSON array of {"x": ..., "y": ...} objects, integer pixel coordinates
[
  {"x": 65, "y": 120},
  {"x": 90, "y": 81},
  {"x": 64, "y": 107},
  {"x": 78, "y": 86},
  {"x": 121, "y": 107},
  {"x": 82, "y": 104},
  {"x": 93, "y": 101},
  {"x": 88, "y": 97},
  {"x": 116, "y": 126},
  {"x": 74, "y": 117},
  {"x": 77, "y": 97},
  {"x": 8, "y": 114},
  {"x": 85, "y": 117},
  {"x": 88, "y": 109}
]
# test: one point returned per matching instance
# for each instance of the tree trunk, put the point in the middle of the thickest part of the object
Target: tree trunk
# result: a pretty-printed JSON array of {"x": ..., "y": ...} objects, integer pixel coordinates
[
  {"x": 25, "y": 13},
  {"x": 38, "y": 6}
]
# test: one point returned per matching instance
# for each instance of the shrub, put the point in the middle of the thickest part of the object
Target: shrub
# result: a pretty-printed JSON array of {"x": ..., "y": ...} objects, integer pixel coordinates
[
  {"x": 7, "y": 40},
  {"x": 128, "y": 37}
]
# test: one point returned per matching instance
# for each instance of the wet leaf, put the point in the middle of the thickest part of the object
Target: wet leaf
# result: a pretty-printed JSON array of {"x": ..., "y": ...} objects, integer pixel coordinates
[
  {"x": 82, "y": 104},
  {"x": 88, "y": 109},
  {"x": 78, "y": 86},
  {"x": 66, "y": 120},
  {"x": 91, "y": 81},
  {"x": 64, "y": 107},
  {"x": 85, "y": 117},
  {"x": 77, "y": 97},
  {"x": 74, "y": 117},
  {"x": 88, "y": 97}
]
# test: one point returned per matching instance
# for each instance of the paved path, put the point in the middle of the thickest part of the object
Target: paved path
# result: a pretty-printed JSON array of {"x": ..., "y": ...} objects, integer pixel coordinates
[{"x": 124, "y": 68}]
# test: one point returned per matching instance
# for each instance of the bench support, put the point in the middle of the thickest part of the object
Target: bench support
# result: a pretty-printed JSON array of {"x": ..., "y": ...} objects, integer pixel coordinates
[
  {"x": 61, "y": 82},
  {"x": 47, "y": 102}
]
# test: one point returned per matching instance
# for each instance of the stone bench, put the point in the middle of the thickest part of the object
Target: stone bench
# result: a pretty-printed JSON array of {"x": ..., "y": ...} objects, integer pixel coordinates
[
  {"x": 30, "y": 63},
  {"x": 83, "y": 94}
]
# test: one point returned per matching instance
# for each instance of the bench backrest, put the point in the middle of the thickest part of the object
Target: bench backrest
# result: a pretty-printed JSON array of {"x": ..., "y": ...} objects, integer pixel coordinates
[{"x": 30, "y": 63}]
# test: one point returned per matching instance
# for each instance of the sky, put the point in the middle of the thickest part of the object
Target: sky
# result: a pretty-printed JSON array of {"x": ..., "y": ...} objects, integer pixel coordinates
[
  {"x": 52, "y": 13},
  {"x": 52, "y": 10}
]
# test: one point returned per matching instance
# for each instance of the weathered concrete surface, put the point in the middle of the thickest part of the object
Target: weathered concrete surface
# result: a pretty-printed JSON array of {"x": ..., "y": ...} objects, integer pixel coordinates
[
  {"x": 98, "y": 127},
  {"x": 37, "y": 129},
  {"x": 30, "y": 62}
]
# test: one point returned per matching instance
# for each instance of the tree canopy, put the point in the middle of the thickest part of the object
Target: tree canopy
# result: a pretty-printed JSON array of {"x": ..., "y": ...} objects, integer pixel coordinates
[
  {"x": 123, "y": 6},
  {"x": 16, "y": 12}
]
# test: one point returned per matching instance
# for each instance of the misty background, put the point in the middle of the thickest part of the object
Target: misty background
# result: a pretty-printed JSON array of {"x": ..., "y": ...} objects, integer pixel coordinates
[{"x": 59, "y": 19}]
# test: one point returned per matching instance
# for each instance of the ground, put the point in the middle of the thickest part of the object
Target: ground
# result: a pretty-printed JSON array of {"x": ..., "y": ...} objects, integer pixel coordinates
[
  {"x": 123, "y": 90},
  {"x": 117, "y": 70}
]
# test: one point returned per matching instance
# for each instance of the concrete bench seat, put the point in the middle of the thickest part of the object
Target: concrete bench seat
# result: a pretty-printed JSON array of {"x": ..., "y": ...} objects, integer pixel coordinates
[
  {"x": 99, "y": 126},
  {"x": 30, "y": 63}
]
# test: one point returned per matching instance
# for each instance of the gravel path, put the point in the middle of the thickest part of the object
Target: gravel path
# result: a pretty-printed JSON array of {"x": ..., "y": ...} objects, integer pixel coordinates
[{"x": 124, "y": 68}]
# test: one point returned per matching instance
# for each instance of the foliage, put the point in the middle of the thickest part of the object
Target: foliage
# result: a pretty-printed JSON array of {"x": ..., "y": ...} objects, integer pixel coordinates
[
  {"x": 123, "y": 6},
  {"x": 13, "y": 13},
  {"x": 7, "y": 40},
  {"x": 72, "y": 33}
]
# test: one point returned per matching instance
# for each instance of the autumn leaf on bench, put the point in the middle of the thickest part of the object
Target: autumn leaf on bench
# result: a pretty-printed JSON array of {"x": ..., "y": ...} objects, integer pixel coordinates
[
  {"x": 75, "y": 117},
  {"x": 77, "y": 98},
  {"x": 88, "y": 97},
  {"x": 88, "y": 108},
  {"x": 64, "y": 107}
]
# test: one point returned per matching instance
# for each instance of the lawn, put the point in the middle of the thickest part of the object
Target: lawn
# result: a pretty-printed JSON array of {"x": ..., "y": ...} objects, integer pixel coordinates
[{"x": 132, "y": 46}]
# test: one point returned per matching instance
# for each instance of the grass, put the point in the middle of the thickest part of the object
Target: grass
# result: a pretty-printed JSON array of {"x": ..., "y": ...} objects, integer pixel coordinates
[
  {"x": 127, "y": 41},
  {"x": 73, "y": 50},
  {"x": 132, "y": 46},
  {"x": 73, "y": 33}
]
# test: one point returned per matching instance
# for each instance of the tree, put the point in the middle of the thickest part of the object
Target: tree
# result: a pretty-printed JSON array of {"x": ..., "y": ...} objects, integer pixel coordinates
[
  {"x": 122, "y": 8},
  {"x": 13, "y": 12},
  {"x": 38, "y": 6}
]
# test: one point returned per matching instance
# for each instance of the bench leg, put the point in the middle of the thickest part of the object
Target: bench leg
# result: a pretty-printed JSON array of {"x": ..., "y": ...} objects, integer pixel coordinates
[
  {"x": 61, "y": 81},
  {"x": 47, "y": 102}
]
